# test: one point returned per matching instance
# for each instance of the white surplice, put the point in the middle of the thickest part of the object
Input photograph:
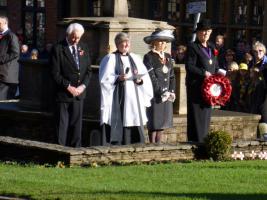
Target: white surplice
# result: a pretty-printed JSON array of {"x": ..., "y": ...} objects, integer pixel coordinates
[{"x": 107, "y": 78}]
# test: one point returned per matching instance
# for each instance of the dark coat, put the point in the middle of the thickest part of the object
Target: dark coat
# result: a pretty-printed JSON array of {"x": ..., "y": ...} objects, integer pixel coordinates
[
  {"x": 198, "y": 112},
  {"x": 196, "y": 65},
  {"x": 9, "y": 55},
  {"x": 160, "y": 114},
  {"x": 161, "y": 81},
  {"x": 65, "y": 72},
  {"x": 263, "y": 108}
]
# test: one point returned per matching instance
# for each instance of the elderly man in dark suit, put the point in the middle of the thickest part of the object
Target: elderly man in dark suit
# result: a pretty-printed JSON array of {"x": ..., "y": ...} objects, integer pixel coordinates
[
  {"x": 9, "y": 66},
  {"x": 71, "y": 71}
]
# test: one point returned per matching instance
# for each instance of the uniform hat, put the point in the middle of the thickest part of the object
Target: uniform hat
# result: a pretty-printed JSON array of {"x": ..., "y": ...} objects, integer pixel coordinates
[
  {"x": 204, "y": 24},
  {"x": 165, "y": 35}
]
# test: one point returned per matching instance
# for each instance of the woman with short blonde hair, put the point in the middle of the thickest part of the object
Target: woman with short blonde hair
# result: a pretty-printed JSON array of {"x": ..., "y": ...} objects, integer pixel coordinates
[{"x": 259, "y": 51}]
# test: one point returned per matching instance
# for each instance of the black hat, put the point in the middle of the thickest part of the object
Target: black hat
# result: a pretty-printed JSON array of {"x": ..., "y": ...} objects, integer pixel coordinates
[
  {"x": 165, "y": 35},
  {"x": 204, "y": 24}
]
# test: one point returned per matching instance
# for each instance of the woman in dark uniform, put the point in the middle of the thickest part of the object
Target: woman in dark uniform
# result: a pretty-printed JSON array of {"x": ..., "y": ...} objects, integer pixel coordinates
[
  {"x": 200, "y": 64},
  {"x": 163, "y": 80}
]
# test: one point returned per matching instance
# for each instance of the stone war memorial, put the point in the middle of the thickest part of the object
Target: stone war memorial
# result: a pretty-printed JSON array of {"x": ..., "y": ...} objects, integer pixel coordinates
[{"x": 27, "y": 125}]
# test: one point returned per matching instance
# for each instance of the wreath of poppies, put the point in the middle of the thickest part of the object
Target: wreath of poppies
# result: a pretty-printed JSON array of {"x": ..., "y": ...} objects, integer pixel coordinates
[{"x": 216, "y": 90}]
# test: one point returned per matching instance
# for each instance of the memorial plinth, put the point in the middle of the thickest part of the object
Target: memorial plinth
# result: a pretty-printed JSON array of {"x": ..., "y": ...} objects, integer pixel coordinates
[{"x": 101, "y": 31}]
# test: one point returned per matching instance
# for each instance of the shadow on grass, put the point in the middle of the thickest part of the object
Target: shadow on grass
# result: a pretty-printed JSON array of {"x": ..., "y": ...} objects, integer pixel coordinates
[
  {"x": 162, "y": 195},
  {"x": 13, "y": 196}
]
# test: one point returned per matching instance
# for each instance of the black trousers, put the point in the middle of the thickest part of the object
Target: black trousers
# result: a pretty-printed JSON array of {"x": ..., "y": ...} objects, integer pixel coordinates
[
  {"x": 7, "y": 90},
  {"x": 131, "y": 135},
  {"x": 198, "y": 116},
  {"x": 69, "y": 123}
]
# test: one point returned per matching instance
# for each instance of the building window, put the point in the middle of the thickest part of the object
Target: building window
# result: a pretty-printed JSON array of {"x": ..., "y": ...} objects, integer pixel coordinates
[
  {"x": 239, "y": 34},
  {"x": 173, "y": 10},
  {"x": 257, "y": 12},
  {"x": 97, "y": 8},
  {"x": 29, "y": 3},
  {"x": 157, "y": 9},
  {"x": 34, "y": 23},
  {"x": 240, "y": 11},
  {"x": 3, "y": 7},
  {"x": 219, "y": 12}
]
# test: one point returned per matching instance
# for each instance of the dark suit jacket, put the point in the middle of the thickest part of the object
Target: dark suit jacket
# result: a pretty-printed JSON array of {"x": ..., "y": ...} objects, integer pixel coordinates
[
  {"x": 65, "y": 72},
  {"x": 9, "y": 55},
  {"x": 197, "y": 63}
]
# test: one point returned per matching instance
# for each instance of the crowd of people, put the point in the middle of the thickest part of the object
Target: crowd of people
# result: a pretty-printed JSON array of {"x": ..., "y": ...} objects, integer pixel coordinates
[
  {"x": 139, "y": 92},
  {"x": 245, "y": 67}
]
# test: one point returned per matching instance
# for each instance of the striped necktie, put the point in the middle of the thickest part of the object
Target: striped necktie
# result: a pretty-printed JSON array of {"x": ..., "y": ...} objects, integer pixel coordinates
[{"x": 75, "y": 56}]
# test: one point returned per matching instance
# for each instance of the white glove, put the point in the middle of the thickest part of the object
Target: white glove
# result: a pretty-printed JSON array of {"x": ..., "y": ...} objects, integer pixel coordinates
[
  {"x": 222, "y": 72},
  {"x": 165, "y": 96},
  {"x": 172, "y": 97}
]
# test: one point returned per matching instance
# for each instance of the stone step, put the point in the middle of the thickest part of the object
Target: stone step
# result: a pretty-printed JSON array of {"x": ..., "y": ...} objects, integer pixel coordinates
[
  {"x": 41, "y": 152},
  {"x": 38, "y": 125},
  {"x": 241, "y": 126}
]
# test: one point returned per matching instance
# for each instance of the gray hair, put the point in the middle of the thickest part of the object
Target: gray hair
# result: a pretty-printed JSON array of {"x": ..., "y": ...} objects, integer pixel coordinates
[
  {"x": 120, "y": 37},
  {"x": 259, "y": 45},
  {"x": 4, "y": 17},
  {"x": 74, "y": 27}
]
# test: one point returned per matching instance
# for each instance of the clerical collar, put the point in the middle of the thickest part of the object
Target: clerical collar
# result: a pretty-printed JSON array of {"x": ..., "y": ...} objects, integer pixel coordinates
[{"x": 117, "y": 51}]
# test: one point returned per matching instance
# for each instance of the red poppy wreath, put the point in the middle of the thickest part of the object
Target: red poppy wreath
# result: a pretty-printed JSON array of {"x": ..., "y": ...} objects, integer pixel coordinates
[{"x": 216, "y": 90}]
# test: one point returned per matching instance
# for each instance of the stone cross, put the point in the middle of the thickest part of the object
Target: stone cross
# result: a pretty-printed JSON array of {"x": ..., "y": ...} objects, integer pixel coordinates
[{"x": 115, "y": 8}]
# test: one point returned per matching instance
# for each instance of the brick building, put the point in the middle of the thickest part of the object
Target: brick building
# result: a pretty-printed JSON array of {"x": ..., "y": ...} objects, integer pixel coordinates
[{"x": 36, "y": 20}]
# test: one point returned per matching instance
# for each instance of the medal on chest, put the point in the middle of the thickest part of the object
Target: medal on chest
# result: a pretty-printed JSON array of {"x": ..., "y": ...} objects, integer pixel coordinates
[
  {"x": 165, "y": 69},
  {"x": 207, "y": 52}
]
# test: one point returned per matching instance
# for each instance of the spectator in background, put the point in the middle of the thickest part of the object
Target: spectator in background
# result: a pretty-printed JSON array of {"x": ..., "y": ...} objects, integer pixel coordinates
[
  {"x": 9, "y": 66},
  {"x": 248, "y": 59},
  {"x": 24, "y": 51},
  {"x": 260, "y": 58},
  {"x": 219, "y": 45},
  {"x": 34, "y": 54},
  {"x": 46, "y": 52},
  {"x": 180, "y": 54},
  {"x": 255, "y": 94},
  {"x": 232, "y": 75},
  {"x": 241, "y": 49},
  {"x": 259, "y": 51},
  {"x": 243, "y": 86},
  {"x": 228, "y": 58},
  {"x": 24, "y": 54}
]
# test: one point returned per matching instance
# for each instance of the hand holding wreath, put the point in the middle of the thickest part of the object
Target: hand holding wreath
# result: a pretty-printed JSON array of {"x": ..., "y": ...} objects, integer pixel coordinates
[{"x": 216, "y": 90}]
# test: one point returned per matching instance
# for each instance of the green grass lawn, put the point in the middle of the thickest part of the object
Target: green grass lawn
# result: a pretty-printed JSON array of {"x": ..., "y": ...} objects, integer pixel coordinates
[{"x": 196, "y": 180}]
